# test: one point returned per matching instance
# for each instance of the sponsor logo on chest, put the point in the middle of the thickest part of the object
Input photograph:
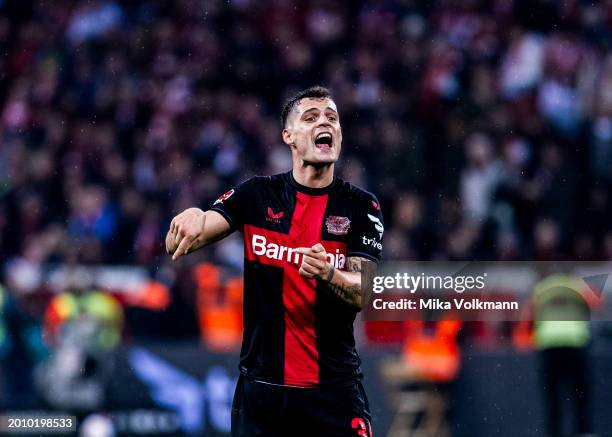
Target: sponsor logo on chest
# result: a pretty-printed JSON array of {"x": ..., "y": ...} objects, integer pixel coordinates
[
  {"x": 278, "y": 252},
  {"x": 281, "y": 250}
]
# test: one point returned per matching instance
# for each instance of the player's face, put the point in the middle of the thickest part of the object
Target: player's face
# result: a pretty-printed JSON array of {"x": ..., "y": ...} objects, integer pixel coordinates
[{"x": 314, "y": 131}]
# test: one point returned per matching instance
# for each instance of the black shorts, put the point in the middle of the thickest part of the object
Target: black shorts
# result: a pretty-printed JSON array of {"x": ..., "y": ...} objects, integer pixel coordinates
[{"x": 261, "y": 409}]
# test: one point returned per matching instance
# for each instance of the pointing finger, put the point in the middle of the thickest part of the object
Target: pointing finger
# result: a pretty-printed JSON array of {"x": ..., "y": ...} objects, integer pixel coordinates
[{"x": 182, "y": 248}]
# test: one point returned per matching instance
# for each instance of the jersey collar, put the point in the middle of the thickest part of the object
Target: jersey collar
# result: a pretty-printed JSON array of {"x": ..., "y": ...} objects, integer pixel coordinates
[{"x": 308, "y": 190}]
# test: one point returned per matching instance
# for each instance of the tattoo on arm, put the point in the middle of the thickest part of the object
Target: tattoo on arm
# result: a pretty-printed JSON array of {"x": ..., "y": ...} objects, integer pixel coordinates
[
  {"x": 354, "y": 263},
  {"x": 351, "y": 294},
  {"x": 348, "y": 285}
]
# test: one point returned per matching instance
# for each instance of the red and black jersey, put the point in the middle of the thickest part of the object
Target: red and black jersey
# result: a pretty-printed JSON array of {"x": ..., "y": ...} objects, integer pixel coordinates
[{"x": 295, "y": 331}]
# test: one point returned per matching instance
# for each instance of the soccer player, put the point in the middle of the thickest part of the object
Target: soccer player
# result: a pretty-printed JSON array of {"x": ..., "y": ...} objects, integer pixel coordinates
[{"x": 308, "y": 237}]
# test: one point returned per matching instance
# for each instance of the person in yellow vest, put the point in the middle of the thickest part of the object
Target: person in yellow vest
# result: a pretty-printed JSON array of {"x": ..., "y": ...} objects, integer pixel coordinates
[
  {"x": 561, "y": 332},
  {"x": 94, "y": 306},
  {"x": 83, "y": 329}
]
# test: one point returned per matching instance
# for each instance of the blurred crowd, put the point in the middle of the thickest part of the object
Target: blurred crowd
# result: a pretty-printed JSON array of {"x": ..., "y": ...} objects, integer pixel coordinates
[{"x": 484, "y": 127}]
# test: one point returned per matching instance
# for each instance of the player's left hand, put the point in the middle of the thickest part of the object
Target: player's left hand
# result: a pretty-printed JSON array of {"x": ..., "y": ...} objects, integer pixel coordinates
[{"x": 314, "y": 262}]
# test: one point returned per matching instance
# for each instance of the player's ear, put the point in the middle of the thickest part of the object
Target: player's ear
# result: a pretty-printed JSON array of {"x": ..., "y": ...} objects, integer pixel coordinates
[{"x": 288, "y": 137}]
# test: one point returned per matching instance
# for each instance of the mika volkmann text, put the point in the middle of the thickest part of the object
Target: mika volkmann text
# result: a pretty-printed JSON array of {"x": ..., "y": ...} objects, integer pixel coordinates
[{"x": 499, "y": 291}]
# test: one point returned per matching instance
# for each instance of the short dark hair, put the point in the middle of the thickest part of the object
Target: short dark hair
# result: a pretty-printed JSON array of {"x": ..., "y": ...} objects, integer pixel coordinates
[{"x": 314, "y": 92}]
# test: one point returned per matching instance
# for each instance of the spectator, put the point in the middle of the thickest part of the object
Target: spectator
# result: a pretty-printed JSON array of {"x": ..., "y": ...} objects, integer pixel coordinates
[{"x": 124, "y": 112}]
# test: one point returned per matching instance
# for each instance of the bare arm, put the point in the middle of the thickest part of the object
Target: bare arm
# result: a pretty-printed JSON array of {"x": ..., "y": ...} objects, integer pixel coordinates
[
  {"x": 193, "y": 229},
  {"x": 346, "y": 285}
]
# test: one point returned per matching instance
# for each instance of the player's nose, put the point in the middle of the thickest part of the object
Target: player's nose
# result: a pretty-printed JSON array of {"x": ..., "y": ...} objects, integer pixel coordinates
[{"x": 323, "y": 123}]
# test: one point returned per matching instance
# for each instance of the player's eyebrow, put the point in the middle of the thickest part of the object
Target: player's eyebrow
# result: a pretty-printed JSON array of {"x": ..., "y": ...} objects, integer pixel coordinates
[
  {"x": 329, "y": 108},
  {"x": 309, "y": 110}
]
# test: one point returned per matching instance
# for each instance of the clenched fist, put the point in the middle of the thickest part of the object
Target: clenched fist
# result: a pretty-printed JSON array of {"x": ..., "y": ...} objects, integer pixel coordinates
[
  {"x": 186, "y": 230},
  {"x": 314, "y": 262}
]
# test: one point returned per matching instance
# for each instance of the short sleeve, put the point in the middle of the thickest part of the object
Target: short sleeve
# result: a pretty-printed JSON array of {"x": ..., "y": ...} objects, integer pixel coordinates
[
  {"x": 367, "y": 233},
  {"x": 231, "y": 204}
]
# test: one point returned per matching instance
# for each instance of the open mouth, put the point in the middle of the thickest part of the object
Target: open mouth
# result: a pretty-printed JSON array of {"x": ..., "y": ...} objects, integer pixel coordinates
[{"x": 323, "y": 141}]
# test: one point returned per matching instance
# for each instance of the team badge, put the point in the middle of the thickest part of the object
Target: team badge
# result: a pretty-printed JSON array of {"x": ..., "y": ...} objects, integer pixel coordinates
[
  {"x": 224, "y": 196},
  {"x": 337, "y": 225}
]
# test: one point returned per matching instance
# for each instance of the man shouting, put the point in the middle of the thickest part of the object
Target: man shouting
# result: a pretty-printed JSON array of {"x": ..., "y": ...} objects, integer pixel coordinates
[{"x": 308, "y": 237}]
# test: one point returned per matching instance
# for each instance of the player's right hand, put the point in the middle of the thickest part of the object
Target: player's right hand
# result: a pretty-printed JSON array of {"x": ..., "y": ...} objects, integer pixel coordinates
[{"x": 185, "y": 229}]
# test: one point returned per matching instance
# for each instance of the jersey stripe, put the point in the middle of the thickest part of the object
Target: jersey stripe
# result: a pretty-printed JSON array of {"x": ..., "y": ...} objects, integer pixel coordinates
[{"x": 301, "y": 354}]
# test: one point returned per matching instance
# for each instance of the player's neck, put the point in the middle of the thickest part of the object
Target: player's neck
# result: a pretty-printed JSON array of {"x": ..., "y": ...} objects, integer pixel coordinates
[{"x": 314, "y": 177}]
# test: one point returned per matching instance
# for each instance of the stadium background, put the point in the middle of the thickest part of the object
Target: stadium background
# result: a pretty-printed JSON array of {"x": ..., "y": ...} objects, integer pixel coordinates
[{"x": 484, "y": 128}]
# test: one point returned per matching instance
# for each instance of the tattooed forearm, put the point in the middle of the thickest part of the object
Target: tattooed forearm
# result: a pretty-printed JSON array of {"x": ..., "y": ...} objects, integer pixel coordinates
[
  {"x": 350, "y": 294},
  {"x": 354, "y": 264},
  {"x": 347, "y": 285}
]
